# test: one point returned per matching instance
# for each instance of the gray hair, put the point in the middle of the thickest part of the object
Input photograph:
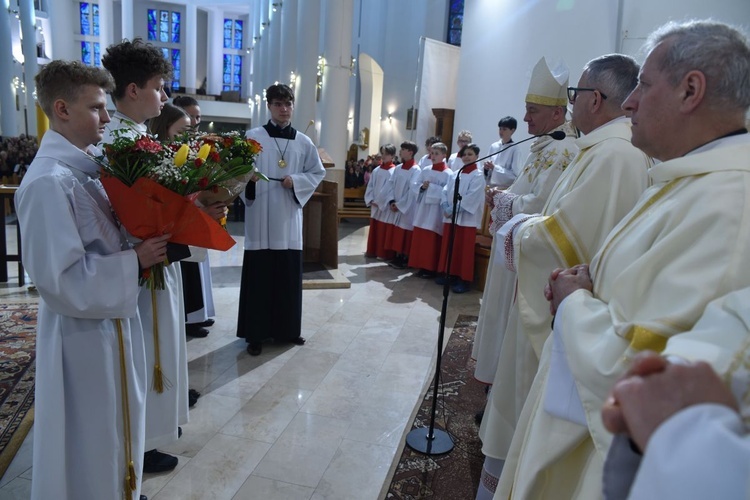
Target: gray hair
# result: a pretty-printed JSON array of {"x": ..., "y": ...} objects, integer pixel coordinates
[
  {"x": 719, "y": 51},
  {"x": 615, "y": 75}
]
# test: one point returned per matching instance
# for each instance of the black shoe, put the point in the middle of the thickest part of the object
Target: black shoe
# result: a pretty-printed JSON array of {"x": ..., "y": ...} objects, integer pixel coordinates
[
  {"x": 254, "y": 348},
  {"x": 193, "y": 396},
  {"x": 179, "y": 432},
  {"x": 207, "y": 323},
  {"x": 195, "y": 330},
  {"x": 298, "y": 341},
  {"x": 144, "y": 497},
  {"x": 398, "y": 263},
  {"x": 424, "y": 274},
  {"x": 156, "y": 461}
]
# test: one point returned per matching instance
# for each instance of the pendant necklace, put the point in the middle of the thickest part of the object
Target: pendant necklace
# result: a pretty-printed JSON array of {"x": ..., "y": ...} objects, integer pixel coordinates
[{"x": 282, "y": 162}]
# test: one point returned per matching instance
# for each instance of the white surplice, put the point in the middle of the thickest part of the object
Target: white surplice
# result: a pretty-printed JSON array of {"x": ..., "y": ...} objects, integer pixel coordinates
[
  {"x": 507, "y": 164},
  {"x": 545, "y": 163},
  {"x": 87, "y": 276},
  {"x": 378, "y": 194},
  {"x": 652, "y": 278},
  {"x": 702, "y": 451},
  {"x": 427, "y": 213},
  {"x": 167, "y": 410},
  {"x": 273, "y": 221},
  {"x": 594, "y": 193},
  {"x": 403, "y": 189}
]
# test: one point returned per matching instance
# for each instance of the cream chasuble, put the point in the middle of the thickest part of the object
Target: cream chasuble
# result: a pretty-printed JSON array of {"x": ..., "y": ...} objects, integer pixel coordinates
[
  {"x": 594, "y": 193},
  {"x": 547, "y": 160},
  {"x": 676, "y": 251},
  {"x": 87, "y": 276}
]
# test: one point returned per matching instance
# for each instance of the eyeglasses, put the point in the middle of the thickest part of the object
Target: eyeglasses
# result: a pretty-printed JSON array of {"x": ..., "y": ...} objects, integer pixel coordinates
[
  {"x": 573, "y": 93},
  {"x": 280, "y": 104}
]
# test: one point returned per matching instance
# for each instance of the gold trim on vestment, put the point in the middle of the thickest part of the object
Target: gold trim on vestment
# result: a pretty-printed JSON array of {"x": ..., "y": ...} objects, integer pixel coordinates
[
  {"x": 546, "y": 101},
  {"x": 555, "y": 230},
  {"x": 642, "y": 339},
  {"x": 131, "y": 480}
]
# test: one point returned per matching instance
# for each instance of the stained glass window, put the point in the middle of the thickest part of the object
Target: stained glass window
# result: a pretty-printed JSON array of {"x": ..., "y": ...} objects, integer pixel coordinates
[
  {"x": 95, "y": 12},
  {"x": 165, "y": 53},
  {"x": 152, "y": 28},
  {"x": 175, "y": 27},
  {"x": 97, "y": 54},
  {"x": 86, "y": 53},
  {"x": 455, "y": 21},
  {"x": 85, "y": 24},
  {"x": 227, "y": 33},
  {"x": 238, "y": 34},
  {"x": 227, "y": 73},
  {"x": 164, "y": 26},
  {"x": 176, "y": 69}
]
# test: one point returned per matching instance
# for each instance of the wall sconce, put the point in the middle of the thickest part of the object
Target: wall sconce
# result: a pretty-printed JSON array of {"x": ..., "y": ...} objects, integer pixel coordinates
[
  {"x": 352, "y": 66},
  {"x": 276, "y": 5},
  {"x": 292, "y": 80},
  {"x": 390, "y": 118}
]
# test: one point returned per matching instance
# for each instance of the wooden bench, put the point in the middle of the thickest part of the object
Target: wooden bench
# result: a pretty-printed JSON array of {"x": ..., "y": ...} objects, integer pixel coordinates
[{"x": 354, "y": 204}]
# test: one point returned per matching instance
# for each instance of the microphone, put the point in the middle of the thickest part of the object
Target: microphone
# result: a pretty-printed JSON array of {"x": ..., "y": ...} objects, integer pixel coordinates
[{"x": 557, "y": 135}]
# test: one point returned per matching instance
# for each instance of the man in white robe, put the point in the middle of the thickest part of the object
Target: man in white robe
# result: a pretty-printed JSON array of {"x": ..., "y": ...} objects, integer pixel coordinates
[
  {"x": 139, "y": 71},
  {"x": 271, "y": 289},
  {"x": 594, "y": 193},
  {"x": 90, "y": 362},
  {"x": 545, "y": 113},
  {"x": 658, "y": 268},
  {"x": 690, "y": 421}
]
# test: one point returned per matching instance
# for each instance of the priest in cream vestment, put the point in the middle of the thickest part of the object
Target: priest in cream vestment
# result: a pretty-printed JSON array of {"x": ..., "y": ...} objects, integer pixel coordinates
[
  {"x": 594, "y": 193},
  {"x": 692, "y": 423},
  {"x": 658, "y": 268},
  {"x": 545, "y": 113}
]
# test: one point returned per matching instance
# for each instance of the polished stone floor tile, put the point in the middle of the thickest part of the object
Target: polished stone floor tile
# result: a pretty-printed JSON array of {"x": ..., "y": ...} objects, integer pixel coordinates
[{"x": 270, "y": 489}]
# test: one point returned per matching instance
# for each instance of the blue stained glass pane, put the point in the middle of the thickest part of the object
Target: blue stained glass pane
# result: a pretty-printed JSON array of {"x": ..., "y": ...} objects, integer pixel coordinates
[
  {"x": 86, "y": 53},
  {"x": 226, "y": 87},
  {"x": 227, "y": 39},
  {"x": 237, "y": 79},
  {"x": 238, "y": 34},
  {"x": 95, "y": 10},
  {"x": 165, "y": 53},
  {"x": 227, "y": 63},
  {"x": 176, "y": 68},
  {"x": 152, "y": 24},
  {"x": 227, "y": 78},
  {"x": 164, "y": 26},
  {"x": 84, "y": 15},
  {"x": 97, "y": 54},
  {"x": 175, "y": 27},
  {"x": 237, "y": 63},
  {"x": 227, "y": 24}
]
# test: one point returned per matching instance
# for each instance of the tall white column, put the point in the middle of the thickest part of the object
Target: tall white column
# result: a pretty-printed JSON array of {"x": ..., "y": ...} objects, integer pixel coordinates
[
  {"x": 128, "y": 29},
  {"x": 30, "y": 65},
  {"x": 8, "y": 124},
  {"x": 308, "y": 50},
  {"x": 288, "y": 46},
  {"x": 215, "y": 36},
  {"x": 275, "y": 59},
  {"x": 265, "y": 59},
  {"x": 336, "y": 78},
  {"x": 62, "y": 19},
  {"x": 106, "y": 25},
  {"x": 189, "y": 31},
  {"x": 256, "y": 64}
]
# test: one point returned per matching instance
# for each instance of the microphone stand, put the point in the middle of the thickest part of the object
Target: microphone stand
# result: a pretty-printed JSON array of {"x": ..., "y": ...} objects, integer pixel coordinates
[{"x": 429, "y": 440}]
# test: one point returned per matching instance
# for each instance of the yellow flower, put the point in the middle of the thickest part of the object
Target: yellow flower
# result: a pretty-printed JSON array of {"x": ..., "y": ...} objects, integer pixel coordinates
[
  {"x": 203, "y": 151},
  {"x": 181, "y": 157}
]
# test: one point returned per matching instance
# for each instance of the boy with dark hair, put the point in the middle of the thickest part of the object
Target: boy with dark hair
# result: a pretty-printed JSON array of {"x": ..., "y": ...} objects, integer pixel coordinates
[
  {"x": 377, "y": 197},
  {"x": 402, "y": 188},
  {"x": 139, "y": 70},
  {"x": 270, "y": 305},
  {"x": 504, "y": 167},
  {"x": 425, "y": 161},
  {"x": 90, "y": 370},
  {"x": 428, "y": 216}
]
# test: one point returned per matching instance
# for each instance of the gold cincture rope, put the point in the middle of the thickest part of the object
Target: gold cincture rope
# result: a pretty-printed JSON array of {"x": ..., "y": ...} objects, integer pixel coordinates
[
  {"x": 160, "y": 381},
  {"x": 130, "y": 477}
]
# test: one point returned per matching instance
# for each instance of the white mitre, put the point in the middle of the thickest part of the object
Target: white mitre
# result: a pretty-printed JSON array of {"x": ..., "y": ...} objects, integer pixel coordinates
[{"x": 548, "y": 87}]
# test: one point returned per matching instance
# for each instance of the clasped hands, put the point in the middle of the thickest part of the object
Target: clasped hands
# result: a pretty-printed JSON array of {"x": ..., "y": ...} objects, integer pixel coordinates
[
  {"x": 563, "y": 282},
  {"x": 654, "y": 389}
]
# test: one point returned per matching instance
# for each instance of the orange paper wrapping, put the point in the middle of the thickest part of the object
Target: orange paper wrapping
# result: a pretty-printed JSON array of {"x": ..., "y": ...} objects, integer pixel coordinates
[{"x": 147, "y": 209}]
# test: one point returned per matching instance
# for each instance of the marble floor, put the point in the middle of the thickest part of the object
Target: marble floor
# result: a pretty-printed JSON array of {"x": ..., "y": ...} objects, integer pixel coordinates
[{"x": 322, "y": 421}]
